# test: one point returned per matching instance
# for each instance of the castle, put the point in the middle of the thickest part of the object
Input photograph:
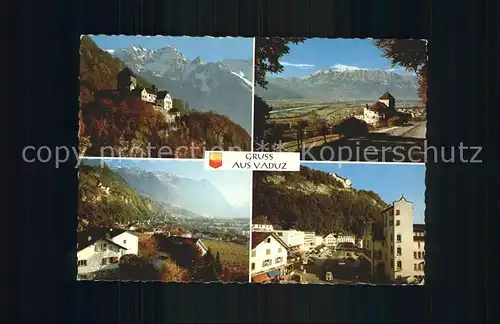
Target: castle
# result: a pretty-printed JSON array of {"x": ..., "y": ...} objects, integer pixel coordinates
[
  {"x": 382, "y": 110},
  {"x": 161, "y": 100}
]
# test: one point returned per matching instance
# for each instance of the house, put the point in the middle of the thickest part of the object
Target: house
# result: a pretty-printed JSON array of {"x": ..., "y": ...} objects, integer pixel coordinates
[
  {"x": 145, "y": 94},
  {"x": 163, "y": 100},
  {"x": 165, "y": 242},
  {"x": 330, "y": 240},
  {"x": 318, "y": 240},
  {"x": 262, "y": 228},
  {"x": 101, "y": 248},
  {"x": 293, "y": 239},
  {"x": 346, "y": 239},
  {"x": 383, "y": 109},
  {"x": 396, "y": 247},
  {"x": 268, "y": 258}
]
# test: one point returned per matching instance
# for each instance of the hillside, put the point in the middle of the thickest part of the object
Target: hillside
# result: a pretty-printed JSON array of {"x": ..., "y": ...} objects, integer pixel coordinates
[
  {"x": 107, "y": 199},
  {"x": 98, "y": 69},
  {"x": 342, "y": 85},
  {"x": 312, "y": 200},
  {"x": 119, "y": 123}
]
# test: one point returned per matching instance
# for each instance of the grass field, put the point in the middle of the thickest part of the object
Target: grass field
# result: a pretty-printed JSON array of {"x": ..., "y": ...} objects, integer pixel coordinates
[{"x": 231, "y": 253}]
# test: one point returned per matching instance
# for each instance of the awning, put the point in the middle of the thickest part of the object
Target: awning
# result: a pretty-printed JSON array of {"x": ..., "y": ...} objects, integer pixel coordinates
[
  {"x": 274, "y": 273},
  {"x": 260, "y": 277}
]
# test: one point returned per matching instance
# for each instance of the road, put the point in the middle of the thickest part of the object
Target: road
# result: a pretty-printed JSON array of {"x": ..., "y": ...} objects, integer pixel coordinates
[
  {"x": 417, "y": 130},
  {"x": 401, "y": 144}
]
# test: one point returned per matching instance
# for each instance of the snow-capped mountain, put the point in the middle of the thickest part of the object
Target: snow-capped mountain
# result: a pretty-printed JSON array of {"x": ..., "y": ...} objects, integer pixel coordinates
[
  {"x": 197, "y": 196},
  {"x": 342, "y": 85},
  {"x": 224, "y": 87}
]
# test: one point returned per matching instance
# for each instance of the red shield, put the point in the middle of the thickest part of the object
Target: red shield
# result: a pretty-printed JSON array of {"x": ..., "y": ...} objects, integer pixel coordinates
[{"x": 215, "y": 160}]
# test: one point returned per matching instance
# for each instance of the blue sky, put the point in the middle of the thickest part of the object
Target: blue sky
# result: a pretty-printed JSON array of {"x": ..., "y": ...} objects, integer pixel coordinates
[
  {"x": 322, "y": 53},
  {"x": 234, "y": 185},
  {"x": 210, "y": 49},
  {"x": 388, "y": 180}
]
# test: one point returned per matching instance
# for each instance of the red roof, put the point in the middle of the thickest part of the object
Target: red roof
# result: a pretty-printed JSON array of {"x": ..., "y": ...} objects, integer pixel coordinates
[
  {"x": 377, "y": 106},
  {"x": 261, "y": 277}
]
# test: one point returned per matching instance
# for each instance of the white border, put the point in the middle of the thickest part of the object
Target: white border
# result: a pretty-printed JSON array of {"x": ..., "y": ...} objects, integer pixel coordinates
[
  {"x": 253, "y": 97},
  {"x": 361, "y": 162}
]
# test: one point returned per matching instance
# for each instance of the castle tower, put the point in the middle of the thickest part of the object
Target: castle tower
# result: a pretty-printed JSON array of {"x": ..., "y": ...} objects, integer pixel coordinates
[
  {"x": 388, "y": 100},
  {"x": 126, "y": 80},
  {"x": 398, "y": 235}
]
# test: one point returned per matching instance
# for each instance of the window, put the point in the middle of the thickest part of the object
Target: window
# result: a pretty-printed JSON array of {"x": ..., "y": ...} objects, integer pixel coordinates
[
  {"x": 415, "y": 266},
  {"x": 391, "y": 223},
  {"x": 280, "y": 234},
  {"x": 418, "y": 244},
  {"x": 113, "y": 260},
  {"x": 279, "y": 249},
  {"x": 421, "y": 266},
  {"x": 397, "y": 212},
  {"x": 398, "y": 238},
  {"x": 104, "y": 261},
  {"x": 279, "y": 260},
  {"x": 269, "y": 240},
  {"x": 253, "y": 265},
  {"x": 124, "y": 241},
  {"x": 398, "y": 222},
  {"x": 399, "y": 265},
  {"x": 268, "y": 251},
  {"x": 420, "y": 255},
  {"x": 414, "y": 255},
  {"x": 267, "y": 263},
  {"x": 254, "y": 253},
  {"x": 82, "y": 263},
  {"x": 398, "y": 251}
]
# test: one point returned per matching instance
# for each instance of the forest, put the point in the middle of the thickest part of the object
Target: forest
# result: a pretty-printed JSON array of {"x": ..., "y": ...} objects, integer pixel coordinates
[
  {"x": 101, "y": 206},
  {"x": 285, "y": 205}
]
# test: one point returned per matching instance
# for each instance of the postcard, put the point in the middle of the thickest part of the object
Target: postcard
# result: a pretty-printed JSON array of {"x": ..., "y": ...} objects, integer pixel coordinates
[
  {"x": 164, "y": 220},
  {"x": 339, "y": 223},
  {"x": 342, "y": 99}
]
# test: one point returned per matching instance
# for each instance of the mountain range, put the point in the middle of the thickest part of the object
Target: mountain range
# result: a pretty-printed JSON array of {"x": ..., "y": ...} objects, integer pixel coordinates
[
  {"x": 341, "y": 85},
  {"x": 224, "y": 87},
  {"x": 197, "y": 196}
]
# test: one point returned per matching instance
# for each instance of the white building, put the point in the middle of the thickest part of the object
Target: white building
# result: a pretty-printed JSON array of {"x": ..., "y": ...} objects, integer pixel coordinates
[
  {"x": 346, "y": 183},
  {"x": 164, "y": 100},
  {"x": 382, "y": 109},
  {"x": 318, "y": 240},
  {"x": 346, "y": 239},
  {"x": 101, "y": 248},
  {"x": 268, "y": 258},
  {"x": 293, "y": 239},
  {"x": 330, "y": 240},
  {"x": 147, "y": 95},
  {"x": 309, "y": 240},
  {"x": 397, "y": 250},
  {"x": 262, "y": 228}
]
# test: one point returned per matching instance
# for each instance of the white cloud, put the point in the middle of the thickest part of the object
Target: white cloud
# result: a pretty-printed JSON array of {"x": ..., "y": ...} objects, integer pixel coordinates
[
  {"x": 345, "y": 67},
  {"x": 298, "y": 65},
  {"x": 391, "y": 70}
]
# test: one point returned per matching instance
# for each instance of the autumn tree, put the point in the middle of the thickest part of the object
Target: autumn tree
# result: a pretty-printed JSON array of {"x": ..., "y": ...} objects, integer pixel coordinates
[
  {"x": 268, "y": 51},
  {"x": 172, "y": 272},
  {"x": 410, "y": 54}
]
